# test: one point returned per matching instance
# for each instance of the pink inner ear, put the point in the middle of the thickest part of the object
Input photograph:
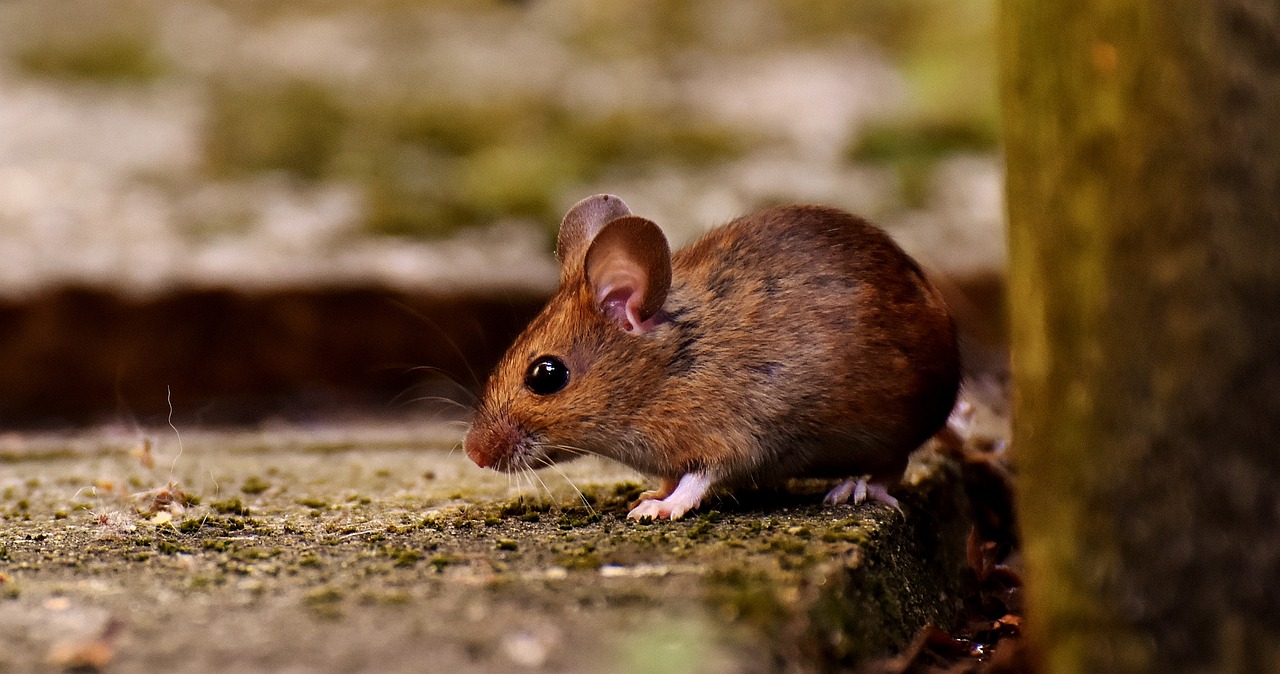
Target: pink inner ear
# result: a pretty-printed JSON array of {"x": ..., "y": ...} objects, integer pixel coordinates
[
  {"x": 628, "y": 267},
  {"x": 616, "y": 305},
  {"x": 621, "y": 303}
]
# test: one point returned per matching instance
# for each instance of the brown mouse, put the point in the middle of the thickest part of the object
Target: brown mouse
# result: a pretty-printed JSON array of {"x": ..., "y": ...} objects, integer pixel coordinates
[{"x": 800, "y": 341}]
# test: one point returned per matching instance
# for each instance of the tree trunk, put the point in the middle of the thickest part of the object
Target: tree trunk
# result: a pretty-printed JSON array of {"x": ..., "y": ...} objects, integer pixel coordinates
[{"x": 1143, "y": 157}]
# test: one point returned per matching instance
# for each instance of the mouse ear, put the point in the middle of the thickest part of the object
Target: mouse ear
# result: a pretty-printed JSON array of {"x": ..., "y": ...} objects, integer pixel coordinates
[
  {"x": 582, "y": 223},
  {"x": 628, "y": 266}
]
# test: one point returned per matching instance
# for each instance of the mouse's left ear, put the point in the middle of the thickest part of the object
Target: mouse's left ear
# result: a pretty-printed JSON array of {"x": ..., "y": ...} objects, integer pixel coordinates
[
  {"x": 628, "y": 266},
  {"x": 581, "y": 225}
]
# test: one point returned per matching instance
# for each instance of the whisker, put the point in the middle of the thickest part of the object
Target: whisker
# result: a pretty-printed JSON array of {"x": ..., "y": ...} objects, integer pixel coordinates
[
  {"x": 440, "y": 331},
  {"x": 576, "y": 451},
  {"x": 551, "y": 464},
  {"x": 448, "y": 402},
  {"x": 534, "y": 474},
  {"x": 168, "y": 397},
  {"x": 533, "y": 479},
  {"x": 447, "y": 376},
  {"x": 521, "y": 479}
]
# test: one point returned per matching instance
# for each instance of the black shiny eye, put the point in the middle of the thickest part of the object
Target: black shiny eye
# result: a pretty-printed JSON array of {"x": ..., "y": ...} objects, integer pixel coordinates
[{"x": 547, "y": 375}]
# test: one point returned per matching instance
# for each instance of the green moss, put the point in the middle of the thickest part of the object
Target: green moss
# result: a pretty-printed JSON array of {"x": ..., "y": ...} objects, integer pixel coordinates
[
  {"x": 800, "y": 532},
  {"x": 447, "y": 127},
  {"x": 401, "y": 529},
  {"x": 700, "y": 530},
  {"x": 317, "y": 503},
  {"x": 442, "y": 560},
  {"x": 624, "y": 493},
  {"x": 576, "y": 517},
  {"x": 169, "y": 547},
  {"x": 582, "y": 558},
  {"x": 846, "y": 531},
  {"x": 296, "y": 126},
  {"x": 927, "y": 140},
  {"x": 517, "y": 178},
  {"x": 523, "y": 510},
  {"x": 251, "y": 554},
  {"x": 507, "y": 544},
  {"x": 254, "y": 485},
  {"x": 914, "y": 149},
  {"x": 429, "y": 168},
  {"x": 231, "y": 506},
  {"x": 633, "y": 137},
  {"x": 216, "y": 545},
  {"x": 747, "y": 595},
  {"x": 786, "y": 544},
  {"x": 325, "y": 602},
  {"x": 128, "y": 59},
  {"x": 201, "y": 582},
  {"x": 405, "y": 557},
  {"x": 389, "y": 598}
]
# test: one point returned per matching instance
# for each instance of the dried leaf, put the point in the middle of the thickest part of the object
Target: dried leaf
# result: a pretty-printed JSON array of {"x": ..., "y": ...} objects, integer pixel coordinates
[
  {"x": 87, "y": 655},
  {"x": 168, "y": 498},
  {"x": 143, "y": 454}
]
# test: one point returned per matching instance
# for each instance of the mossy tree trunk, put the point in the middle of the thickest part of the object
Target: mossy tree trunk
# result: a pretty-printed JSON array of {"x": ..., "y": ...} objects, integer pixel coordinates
[{"x": 1143, "y": 158}]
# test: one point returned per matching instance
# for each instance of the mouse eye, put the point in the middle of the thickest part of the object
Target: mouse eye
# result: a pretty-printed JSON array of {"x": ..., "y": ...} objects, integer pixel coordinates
[{"x": 546, "y": 375}]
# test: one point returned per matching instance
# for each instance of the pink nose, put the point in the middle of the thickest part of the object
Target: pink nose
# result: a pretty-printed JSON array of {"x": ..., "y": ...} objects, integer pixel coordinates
[
  {"x": 492, "y": 441},
  {"x": 476, "y": 449}
]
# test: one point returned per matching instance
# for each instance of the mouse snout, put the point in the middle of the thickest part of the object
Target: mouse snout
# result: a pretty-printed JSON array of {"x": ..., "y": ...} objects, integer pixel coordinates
[
  {"x": 479, "y": 447},
  {"x": 490, "y": 444}
]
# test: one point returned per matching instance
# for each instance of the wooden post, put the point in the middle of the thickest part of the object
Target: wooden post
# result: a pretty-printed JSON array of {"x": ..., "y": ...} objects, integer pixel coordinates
[{"x": 1143, "y": 159}]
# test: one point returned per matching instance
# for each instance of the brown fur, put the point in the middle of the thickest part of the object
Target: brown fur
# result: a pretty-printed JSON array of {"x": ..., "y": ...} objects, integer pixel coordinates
[{"x": 796, "y": 341}]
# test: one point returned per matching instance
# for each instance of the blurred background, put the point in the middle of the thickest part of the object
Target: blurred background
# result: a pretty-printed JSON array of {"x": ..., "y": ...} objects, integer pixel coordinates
[{"x": 292, "y": 211}]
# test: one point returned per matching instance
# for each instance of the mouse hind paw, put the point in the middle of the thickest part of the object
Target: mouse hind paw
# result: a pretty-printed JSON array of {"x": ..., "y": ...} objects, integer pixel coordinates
[
  {"x": 879, "y": 492},
  {"x": 846, "y": 490},
  {"x": 857, "y": 491}
]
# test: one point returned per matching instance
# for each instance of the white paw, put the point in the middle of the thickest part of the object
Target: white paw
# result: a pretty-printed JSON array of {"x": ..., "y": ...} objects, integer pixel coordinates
[
  {"x": 686, "y": 496},
  {"x": 656, "y": 509}
]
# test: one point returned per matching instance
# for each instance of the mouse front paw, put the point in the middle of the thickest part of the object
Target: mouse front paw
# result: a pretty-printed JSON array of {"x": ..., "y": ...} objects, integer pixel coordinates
[
  {"x": 686, "y": 496},
  {"x": 668, "y": 485},
  {"x": 657, "y": 509}
]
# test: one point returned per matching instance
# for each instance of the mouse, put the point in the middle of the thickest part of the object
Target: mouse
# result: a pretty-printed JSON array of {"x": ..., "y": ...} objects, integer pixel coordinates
[{"x": 798, "y": 341}]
